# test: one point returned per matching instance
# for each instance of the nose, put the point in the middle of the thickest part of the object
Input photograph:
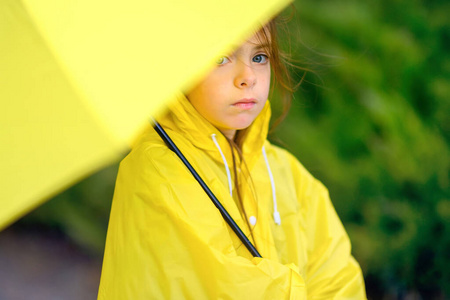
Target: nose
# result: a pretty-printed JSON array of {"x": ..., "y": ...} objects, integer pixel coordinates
[{"x": 245, "y": 76}]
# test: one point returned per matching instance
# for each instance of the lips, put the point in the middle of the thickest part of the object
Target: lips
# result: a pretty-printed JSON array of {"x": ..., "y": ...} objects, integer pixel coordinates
[{"x": 246, "y": 103}]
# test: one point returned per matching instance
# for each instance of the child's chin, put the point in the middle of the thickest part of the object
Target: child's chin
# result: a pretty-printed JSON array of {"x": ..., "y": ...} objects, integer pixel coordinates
[
  {"x": 244, "y": 126},
  {"x": 247, "y": 123}
]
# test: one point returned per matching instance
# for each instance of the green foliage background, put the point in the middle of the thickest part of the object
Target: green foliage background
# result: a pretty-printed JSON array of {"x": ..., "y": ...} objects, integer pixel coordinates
[{"x": 371, "y": 121}]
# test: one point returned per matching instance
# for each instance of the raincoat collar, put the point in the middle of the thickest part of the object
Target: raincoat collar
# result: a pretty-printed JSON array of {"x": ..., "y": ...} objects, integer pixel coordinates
[{"x": 184, "y": 118}]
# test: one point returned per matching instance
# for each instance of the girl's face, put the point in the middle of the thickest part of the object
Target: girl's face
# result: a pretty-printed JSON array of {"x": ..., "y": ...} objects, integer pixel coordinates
[{"x": 235, "y": 92}]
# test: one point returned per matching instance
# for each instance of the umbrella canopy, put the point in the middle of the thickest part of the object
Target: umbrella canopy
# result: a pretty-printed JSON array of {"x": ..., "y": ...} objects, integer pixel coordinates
[{"x": 79, "y": 78}]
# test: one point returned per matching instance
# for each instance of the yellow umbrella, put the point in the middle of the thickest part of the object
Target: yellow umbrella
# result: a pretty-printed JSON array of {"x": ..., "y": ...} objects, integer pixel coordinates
[{"x": 79, "y": 78}]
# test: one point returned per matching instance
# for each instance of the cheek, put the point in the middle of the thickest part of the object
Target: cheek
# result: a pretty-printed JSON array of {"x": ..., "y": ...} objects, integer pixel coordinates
[
  {"x": 198, "y": 95},
  {"x": 200, "y": 98},
  {"x": 265, "y": 85},
  {"x": 207, "y": 90}
]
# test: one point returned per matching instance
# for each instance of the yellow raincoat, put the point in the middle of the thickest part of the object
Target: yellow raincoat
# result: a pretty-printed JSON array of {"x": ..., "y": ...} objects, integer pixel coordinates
[{"x": 166, "y": 239}]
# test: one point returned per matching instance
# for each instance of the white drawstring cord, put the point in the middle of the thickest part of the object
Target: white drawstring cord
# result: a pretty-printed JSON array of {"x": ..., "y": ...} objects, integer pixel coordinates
[
  {"x": 213, "y": 136},
  {"x": 276, "y": 214}
]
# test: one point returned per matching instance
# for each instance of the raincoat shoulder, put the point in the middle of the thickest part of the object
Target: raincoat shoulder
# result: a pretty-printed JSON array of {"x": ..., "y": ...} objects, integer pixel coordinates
[{"x": 329, "y": 269}]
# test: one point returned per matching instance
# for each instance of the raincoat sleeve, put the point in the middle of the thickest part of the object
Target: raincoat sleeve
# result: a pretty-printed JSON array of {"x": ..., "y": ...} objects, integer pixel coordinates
[
  {"x": 332, "y": 272},
  {"x": 158, "y": 247}
]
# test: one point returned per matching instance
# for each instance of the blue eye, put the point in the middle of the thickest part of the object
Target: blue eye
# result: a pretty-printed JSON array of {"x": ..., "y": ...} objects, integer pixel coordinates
[
  {"x": 260, "y": 58},
  {"x": 223, "y": 60}
]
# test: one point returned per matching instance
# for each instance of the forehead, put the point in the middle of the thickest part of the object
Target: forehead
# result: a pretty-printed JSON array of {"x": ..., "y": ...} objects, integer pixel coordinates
[{"x": 261, "y": 37}]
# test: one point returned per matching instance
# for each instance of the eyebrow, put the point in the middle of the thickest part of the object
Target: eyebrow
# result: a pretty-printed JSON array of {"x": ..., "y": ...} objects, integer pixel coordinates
[
  {"x": 257, "y": 46},
  {"x": 263, "y": 46}
]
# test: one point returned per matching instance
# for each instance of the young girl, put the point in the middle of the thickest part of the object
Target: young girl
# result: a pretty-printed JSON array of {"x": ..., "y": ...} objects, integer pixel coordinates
[{"x": 166, "y": 239}]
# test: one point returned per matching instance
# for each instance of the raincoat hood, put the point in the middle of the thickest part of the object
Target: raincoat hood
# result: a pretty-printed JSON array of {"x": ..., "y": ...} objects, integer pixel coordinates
[{"x": 185, "y": 119}]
